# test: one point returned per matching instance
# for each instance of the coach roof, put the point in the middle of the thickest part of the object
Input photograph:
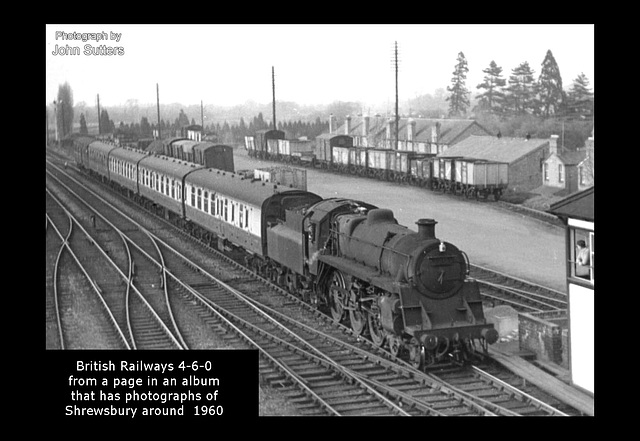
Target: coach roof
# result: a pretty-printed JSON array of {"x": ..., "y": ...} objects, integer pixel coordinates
[
  {"x": 169, "y": 166},
  {"x": 252, "y": 191},
  {"x": 102, "y": 146},
  {"x": 128, "y": 154}
]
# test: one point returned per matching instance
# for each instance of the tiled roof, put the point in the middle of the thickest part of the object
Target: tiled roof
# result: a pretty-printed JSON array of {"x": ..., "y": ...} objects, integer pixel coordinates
[
  {"x": 578, "y": 205},
  {"x": 492, "y": 148},
  {"x": 572, "y": 157},
  {"x": 449, "y": 129}
]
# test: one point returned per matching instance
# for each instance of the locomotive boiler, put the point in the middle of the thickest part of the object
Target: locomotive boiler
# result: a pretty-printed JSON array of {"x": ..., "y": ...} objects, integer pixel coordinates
[{"x": 410, "y": 290}]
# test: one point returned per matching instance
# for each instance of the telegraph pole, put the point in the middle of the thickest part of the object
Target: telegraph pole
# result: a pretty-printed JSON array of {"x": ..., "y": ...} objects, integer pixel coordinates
[
  {"x": 273, "y": 83},
  {"x": 99, "y": 126},
  {"x": 158, "y": 106},
  {"x": 202, "y": 115},
  {"x": 397, "y": 128}
]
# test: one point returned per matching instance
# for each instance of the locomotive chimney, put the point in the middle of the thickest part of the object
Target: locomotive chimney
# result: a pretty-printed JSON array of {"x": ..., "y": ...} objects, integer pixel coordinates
[{"x": 426, "y": 229}]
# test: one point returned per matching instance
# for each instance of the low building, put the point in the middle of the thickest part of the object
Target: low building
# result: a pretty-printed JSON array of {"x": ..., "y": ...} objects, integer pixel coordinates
[{"x": 524, "y": 157}]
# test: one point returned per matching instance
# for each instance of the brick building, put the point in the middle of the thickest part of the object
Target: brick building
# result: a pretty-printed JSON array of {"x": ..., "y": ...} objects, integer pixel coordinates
[{"x": 524, "y": 157}]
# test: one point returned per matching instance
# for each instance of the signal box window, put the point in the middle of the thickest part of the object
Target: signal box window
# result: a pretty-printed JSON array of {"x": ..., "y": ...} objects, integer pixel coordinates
[{"x": 582, "y": 254}]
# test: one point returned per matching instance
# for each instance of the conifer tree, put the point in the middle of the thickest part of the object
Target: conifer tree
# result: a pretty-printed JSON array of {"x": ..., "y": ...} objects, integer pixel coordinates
[
  {"x": 580, "y": 97},
  {"x": 459, "y": 98},
  {"x": 550, "y": 92},
  {"x": 64, "y": 109},
  {"x": 492, "y": 99},
  {"x": 521, "y": 91}
]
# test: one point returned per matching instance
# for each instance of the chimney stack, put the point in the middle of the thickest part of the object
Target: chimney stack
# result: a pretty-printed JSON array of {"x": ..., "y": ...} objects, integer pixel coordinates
[
  {"x": 411, "y": 129},
  {"x": 553, "y": 145},
  {"x": 435, "y": 133},
  {"x": 365, "y": 125},
  {"x": 390, "y": 128},
  {"x": 347, "y": 125},
  {"x": 332, "y": 123}
]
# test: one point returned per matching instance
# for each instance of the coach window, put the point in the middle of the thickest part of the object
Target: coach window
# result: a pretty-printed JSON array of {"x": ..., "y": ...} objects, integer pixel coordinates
[
  {"x": 205, "y": 206},
  {"x": 582, "y": 254},
  {"x": 193, "y": 197},
  {"x": 241, "y": 216},
  {"x": 226, "y": 209},
  {"x": 212, "y": 204}
]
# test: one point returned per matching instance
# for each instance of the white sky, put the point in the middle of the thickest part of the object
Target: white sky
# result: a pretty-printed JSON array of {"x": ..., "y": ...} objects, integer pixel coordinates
[{"x": 314, "y": 64}]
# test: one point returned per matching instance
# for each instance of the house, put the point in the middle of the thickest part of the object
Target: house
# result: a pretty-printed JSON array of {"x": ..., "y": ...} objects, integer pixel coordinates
[
  {"x": 564, "y": 169},
  {"x": 421, "y": 135},
  {"x": 524, "y": 156},
  {"x": 586, "y": 170}
]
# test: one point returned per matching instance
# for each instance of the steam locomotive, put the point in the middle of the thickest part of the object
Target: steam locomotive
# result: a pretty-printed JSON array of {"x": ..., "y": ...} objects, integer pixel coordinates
[{"x": 406, "y": 290}]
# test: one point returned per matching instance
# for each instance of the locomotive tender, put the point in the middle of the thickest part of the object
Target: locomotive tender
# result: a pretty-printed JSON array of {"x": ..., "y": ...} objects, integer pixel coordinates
[{"x": 407, "y": 290}]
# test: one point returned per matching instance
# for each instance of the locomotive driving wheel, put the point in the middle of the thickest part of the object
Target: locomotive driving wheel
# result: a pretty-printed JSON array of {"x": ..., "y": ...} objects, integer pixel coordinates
[
  {"x": 337, "y": 295},
  {"x": 375, "y": 327},
  {"x": 357, "y": 316}
]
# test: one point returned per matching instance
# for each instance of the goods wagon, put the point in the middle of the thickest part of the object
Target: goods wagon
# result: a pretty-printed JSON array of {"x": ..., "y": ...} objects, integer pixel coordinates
[
  {"x": 212, "y": 155},
  {"x": 324, "y": 145},
  {"x": 261, "y": 143},
  {"x": 295, "y": 150},
  {"x": 421, "y": 171},
  {"x": 340, "y": 159},
  {"x": 283, "y": 175},
  {"x": 358, "y": 161},
  {"x": 379, "y": 162},
  {"x": 444, "y": 174},
  {"x": 475, "y": 178}
]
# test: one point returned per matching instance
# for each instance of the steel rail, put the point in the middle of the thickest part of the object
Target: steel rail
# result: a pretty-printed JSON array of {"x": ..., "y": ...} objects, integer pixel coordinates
[
  {"x": 179, "y": 340},
  {"x": 84, "y": 271},
  {"x": 128, "y": 280}
]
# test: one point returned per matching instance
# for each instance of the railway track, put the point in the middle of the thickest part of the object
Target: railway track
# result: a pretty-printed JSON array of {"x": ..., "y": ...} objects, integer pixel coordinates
[
  {"x": 125, "y": 316},
  {"x": 315, "y": 374},
  {"x": 72, "y": 294},
  {"x": 524, "y": 296},
  {"x": 412, "y": 394}
]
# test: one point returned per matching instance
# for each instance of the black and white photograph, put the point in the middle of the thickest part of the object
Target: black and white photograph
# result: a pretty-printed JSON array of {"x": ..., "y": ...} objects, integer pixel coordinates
[{"x": 285, "y": 220}]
